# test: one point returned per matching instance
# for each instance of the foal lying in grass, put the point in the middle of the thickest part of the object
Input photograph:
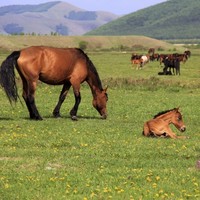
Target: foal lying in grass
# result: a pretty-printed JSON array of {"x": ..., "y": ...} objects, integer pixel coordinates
[{"x": 159, "y": 125}]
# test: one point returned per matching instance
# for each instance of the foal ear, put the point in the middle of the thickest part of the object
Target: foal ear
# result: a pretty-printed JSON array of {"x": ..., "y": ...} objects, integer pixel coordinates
[
  {"x": 105, "y": 88},
  {"x": 178, "y": 109}
]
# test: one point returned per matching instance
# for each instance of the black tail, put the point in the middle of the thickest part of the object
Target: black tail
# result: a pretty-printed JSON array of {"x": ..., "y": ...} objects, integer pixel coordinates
[{"x": 7, "y": 76}]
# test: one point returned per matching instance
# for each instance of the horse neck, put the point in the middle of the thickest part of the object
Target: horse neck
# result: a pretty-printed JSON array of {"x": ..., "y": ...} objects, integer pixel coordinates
[
  {"x": 94, "y": 83},
  {"x": 166, "y": 117}
]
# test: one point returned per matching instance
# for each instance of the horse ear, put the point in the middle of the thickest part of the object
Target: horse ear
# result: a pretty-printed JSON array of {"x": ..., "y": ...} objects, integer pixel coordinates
[
  {"x": 106, "y": 88},
  {"x": 178, "y": 108}
]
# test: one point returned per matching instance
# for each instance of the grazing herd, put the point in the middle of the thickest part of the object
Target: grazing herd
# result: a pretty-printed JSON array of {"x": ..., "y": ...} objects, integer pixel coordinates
[{"x": 171, "y": 61}]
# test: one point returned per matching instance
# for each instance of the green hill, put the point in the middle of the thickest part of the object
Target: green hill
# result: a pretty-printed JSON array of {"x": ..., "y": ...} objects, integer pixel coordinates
[
  {"x": 15, "y": 42},
  {"x": 174, "y": 19}
]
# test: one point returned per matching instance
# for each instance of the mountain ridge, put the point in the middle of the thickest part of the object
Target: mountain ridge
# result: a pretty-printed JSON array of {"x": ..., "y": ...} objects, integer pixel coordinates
[{"x": 51, "y": 18}]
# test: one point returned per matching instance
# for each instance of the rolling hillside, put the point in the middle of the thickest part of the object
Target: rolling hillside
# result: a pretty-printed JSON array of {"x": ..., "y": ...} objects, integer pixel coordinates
[
  {"x": 16, "y": 42},
  {"x": 50, "y": 18},
  {"x": 174, "y": 19}
]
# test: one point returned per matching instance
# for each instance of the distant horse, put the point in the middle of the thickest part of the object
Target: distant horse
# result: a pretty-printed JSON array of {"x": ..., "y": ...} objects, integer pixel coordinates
[
  {"x": 171, "y": 63},
  {"x": 54, "y": 66},
  {"x": 181, "y": 57},
  {"x": 145, "y": 59},
  {"x": 159, "y": 125},
  {"x": 188, "y": 53},
  {"x": 151, "y": 51},
  {"x": 136, "y": 60},
  {"x": 139, "y": 60},
  {"x": 154, "y": 56}
]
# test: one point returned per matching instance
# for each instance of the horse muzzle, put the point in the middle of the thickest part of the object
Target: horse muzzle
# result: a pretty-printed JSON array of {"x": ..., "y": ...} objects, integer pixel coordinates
[
  {"x": 182, "y": 129},
  {"x": 104, "y": 116}
]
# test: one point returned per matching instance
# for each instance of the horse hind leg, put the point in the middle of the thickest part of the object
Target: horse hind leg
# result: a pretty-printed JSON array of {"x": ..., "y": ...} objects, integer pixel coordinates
[
  {"x": 63, "y": 94},
  {"x": 28, "y": 96},
  {"x": 146, "y": 131}
]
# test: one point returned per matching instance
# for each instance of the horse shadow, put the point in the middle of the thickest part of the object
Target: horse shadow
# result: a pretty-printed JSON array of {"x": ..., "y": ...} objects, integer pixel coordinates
[
  {"x": 52, "y": 117},
  {"x": 69, "y": 117},
  {"x": 6, "y": 119}
]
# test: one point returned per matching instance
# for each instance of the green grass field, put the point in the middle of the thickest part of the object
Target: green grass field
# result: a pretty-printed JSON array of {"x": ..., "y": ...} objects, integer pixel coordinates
[{"x": 104, "y": 159}]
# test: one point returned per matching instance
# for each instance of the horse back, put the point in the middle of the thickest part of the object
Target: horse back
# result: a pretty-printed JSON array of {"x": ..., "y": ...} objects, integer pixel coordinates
[{"x": 52, "y": 65}]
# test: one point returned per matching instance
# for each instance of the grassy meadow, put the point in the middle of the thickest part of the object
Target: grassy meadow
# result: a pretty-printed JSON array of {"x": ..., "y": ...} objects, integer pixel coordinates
[{"x": 104, "y": 159}]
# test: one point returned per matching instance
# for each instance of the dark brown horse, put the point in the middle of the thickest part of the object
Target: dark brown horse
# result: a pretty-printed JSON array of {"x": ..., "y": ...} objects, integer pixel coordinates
[
  {"x": 54, "y": 66},
  {"x": 159, "y": 125},
  {"x": 188, "y": 53},
  {"x": 151, "y": 51}
]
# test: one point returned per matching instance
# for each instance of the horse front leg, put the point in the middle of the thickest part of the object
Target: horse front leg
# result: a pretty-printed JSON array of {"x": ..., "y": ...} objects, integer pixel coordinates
[
  {"x": 63, "y": 94},
  {"x": 178, "y": 70},
  {"x": 170, "y": 133},
  {"x": 141, "y": 65},
  {"x": 73, "y": 112}
]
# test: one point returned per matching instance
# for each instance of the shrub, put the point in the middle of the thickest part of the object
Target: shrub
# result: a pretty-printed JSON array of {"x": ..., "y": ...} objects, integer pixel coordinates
[{"x": 83, "y": 45}]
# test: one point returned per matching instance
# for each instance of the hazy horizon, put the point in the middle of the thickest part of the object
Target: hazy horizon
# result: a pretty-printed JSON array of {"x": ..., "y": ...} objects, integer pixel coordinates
[{"x": 114, "y": 6}]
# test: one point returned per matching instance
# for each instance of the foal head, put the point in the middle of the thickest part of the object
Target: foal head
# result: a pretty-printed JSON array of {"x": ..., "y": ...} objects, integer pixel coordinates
[
  {"x": 99, "y": 102},
  {"x": 177, "y": 120}
]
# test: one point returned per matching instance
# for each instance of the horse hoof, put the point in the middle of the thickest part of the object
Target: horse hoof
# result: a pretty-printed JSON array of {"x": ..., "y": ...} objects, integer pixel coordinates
[
  {"x": 56, "y": 115},
  {"x": 40, "y": 119},
  {"x": 36, "y": 118},
  {"x": 74, "y": 118},
  {"x": 103, "y": 116}
]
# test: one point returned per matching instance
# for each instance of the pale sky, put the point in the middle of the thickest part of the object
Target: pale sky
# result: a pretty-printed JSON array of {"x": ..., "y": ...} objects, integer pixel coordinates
[{"x": 119, "y": 7}]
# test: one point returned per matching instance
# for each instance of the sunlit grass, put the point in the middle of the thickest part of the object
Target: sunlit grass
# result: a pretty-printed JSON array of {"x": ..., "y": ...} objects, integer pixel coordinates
[{"x": 104, "y": 159}]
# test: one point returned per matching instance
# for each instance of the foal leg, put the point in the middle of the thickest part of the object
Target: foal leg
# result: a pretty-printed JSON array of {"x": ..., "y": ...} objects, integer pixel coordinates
[
  {"x": 77, "y": 96},
  {"x": 63, "y": 94},
  {"x": 170, "y": 133}
]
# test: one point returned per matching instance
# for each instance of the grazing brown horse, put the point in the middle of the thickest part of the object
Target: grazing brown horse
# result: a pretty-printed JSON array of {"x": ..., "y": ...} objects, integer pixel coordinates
[
  {"x": 54, "y": 66},
  {"x": 151, "y": 51},
  {"x": 159, "y": 125}
]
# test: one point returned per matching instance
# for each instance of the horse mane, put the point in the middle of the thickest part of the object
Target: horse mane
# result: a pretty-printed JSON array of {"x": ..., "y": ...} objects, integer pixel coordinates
[
  {"x": 163, "y": 112},
  {"x": 91, "y": 67}
]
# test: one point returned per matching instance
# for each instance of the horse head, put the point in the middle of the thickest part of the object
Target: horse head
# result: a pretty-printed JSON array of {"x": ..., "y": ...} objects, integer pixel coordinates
[
  {"x": 99, "y": 102},
  {"x": 177, "y": 120}
]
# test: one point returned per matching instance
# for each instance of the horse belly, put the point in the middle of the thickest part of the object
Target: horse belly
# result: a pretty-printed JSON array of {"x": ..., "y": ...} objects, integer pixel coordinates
[
  {"x": 54, "y": 74},
  {"x": 53, "y": 80},
  {"x": 59, "y": 75},
  {"x": 55, "y": 69}
]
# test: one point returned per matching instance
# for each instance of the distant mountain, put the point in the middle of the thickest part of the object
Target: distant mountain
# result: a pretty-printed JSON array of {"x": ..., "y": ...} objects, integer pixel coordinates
[
  {"x": 173, "y": 19},
  {"x": 50, "y": 18}
]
